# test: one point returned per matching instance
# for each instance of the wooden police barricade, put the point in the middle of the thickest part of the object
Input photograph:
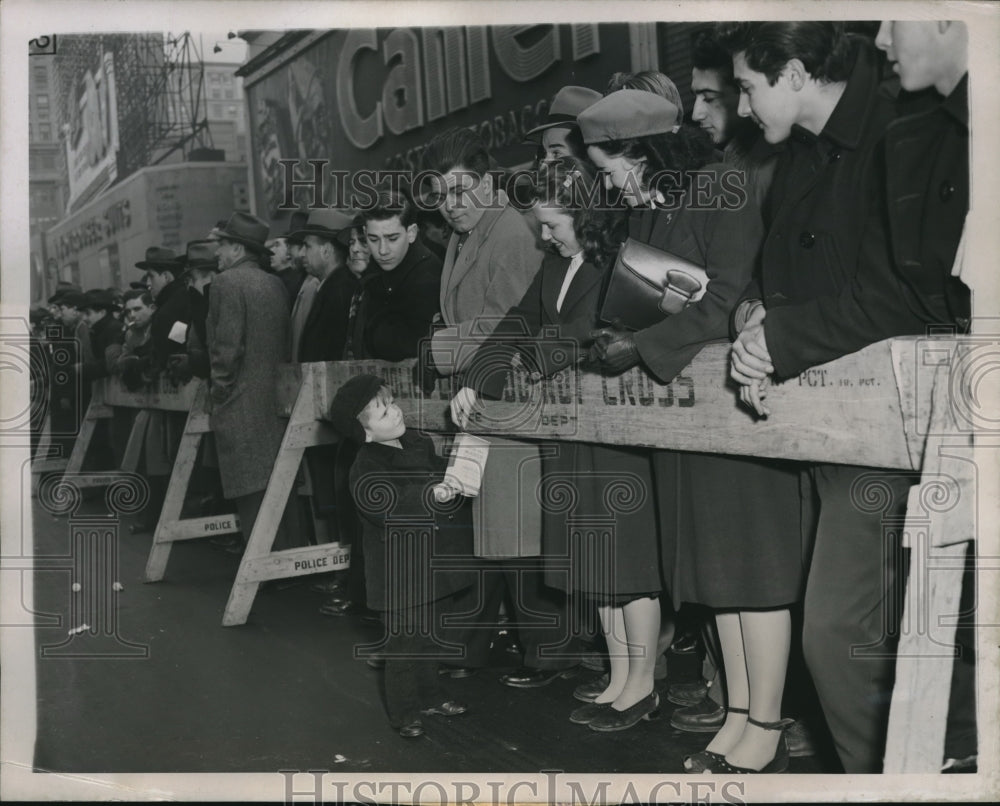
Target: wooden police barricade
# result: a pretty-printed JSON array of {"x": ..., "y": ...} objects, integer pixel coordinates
[
  {"x": 884, "y": 406},
  {"x": 170, "y": 527},
  {"x": 108, "y": 393},
  {"x": 299, "y": 401}
]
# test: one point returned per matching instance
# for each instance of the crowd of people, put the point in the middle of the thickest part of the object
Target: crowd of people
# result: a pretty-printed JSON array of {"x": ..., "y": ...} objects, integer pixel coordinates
[{"x": 855, "y": 188}]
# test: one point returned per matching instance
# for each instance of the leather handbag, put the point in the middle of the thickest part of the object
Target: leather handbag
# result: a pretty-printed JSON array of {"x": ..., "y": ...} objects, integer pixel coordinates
[{"x": 647, "y": 284}]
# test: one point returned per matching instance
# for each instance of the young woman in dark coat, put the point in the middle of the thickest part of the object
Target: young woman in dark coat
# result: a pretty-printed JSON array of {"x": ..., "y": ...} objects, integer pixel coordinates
[
  {"x": 581, "y": 482},
  {"x": 730, "y": 526}
]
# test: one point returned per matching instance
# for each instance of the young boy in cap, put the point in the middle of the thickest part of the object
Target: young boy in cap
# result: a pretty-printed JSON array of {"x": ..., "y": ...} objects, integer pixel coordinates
[{"x": 410, "y": 520}]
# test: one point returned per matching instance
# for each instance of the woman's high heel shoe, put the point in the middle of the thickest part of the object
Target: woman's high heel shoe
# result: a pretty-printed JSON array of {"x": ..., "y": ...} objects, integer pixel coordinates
[
  {"x": 702, "y": 761},
  {"x": 777, "y": 764},
  {"x": 647, "y": 708}
]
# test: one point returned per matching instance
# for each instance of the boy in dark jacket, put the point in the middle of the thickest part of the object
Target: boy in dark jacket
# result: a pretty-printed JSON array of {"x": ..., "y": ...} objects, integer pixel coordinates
[
  {"x": 401, "y": 287},
  {"x": 413, "y": 527}
]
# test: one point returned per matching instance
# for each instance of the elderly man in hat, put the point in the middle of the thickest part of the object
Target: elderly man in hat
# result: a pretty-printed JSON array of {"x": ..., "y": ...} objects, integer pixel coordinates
[
  {"x": 303, "y": 299},
  {"x": 247, "y": 340},
  {"x": 284, "y": 252},
  {"x": 319, "y": 335},
  {"x": 324, "y": 238}
]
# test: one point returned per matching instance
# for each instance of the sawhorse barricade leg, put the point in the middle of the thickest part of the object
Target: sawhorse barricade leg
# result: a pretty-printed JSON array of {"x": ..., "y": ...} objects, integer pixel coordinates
[
  {"x": 133, "y": 448},
  {"x": 170, "y": 527},
  {"x": 97, "y": 410},
  {"x": 259, "y": 563},
  {"x": 941, "y": 525}
]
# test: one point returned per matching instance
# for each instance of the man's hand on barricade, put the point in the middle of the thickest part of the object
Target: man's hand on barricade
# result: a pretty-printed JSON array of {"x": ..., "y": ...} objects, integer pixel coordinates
[
  {"x": 132, "y": 367},
  {"x": 462, "y": 406},
  {"x": 179, "y": 369},
  {"x": 425, "y": 374},
  {"x": 750, "y": 359},
  {"x": 613, "y": 349},
  {"x": 752, "y": 395}
]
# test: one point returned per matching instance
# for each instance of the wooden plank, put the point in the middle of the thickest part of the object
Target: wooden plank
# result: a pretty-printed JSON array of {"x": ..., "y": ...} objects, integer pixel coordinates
[
  {"x": 49, "y": 466},
  {"x": 289, "y": 381},
  {"x": 918, "y": 714},
  {"x": 180, "y": 477},
  {"x": 847, "y": 411},
  {"x": 82, "y": 479},
  {"x": 941, "y": 518},
  {"x": 83, "y": 438},
  {"x": 306, "y": 435},
  {"x": 298, "y": 562},
  {"x": 136, "y": 437},
  {"x": 193, "y": 528},
  {"x": 163, "y": 395}
]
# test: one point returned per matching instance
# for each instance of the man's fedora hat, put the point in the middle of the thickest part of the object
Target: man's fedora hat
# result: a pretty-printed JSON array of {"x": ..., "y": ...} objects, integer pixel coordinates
[
  {"x": 158, "y": 258},
  {"x": 288, "y": 220},
  {"x": 200, "y": 255},
  {"x": 331, "y": 224},
  {"x": 74, "y": 299},
  {"x": 98, "y": 298},
  {"x": 566, "y": 105},
  {"x": 248, "y": 230}
]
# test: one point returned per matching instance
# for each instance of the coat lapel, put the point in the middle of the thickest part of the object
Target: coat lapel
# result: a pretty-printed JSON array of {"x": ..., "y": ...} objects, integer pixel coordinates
[
  {"x": 458, "y": 262},
  {"x": 582, "y": 288}
]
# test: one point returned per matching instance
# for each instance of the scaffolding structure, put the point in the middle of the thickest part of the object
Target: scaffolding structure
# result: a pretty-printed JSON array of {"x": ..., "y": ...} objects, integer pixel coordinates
[{"x": 159, "y": 96}]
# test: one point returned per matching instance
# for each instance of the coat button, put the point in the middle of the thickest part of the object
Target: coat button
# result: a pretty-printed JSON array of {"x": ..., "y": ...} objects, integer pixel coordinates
[
  {"x": 834, "y": 156},
  {"x": 806, "y": 240},
  {"x": 946, "y": 191}
]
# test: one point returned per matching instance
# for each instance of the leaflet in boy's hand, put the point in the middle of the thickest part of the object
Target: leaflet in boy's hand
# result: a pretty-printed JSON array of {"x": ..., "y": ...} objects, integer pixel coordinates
[{"x": 468, "y": 458}]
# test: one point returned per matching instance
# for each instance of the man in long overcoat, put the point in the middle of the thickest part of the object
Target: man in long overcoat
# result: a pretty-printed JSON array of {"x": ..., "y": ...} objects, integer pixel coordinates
[
  {"x": 491, "y": 260},
  {"x": 247, "y": 340}
]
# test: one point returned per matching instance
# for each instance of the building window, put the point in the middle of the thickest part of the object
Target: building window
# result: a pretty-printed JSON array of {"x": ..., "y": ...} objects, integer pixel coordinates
[
  {"x": 216, "y": 110},
  {"x": 45, "y": 131},
  {"x": 31, "y": 131},
  {"x": 215, "y": 94},
  {"x": 231, "y": 110},
  {"x": 42, "y": 101},
  {"x": 43, "y": 114},
  {"x": 213, "y": 78},
  {"x": 41, "y": 77},
  {"x": 227, "y": 79},
  {"x": 228, "y": 94}
]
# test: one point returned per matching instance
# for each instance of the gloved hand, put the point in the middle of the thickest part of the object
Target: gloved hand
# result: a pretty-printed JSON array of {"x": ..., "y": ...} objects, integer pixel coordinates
[
  {"x": 613, "y": 349},
  {"x": 425, "y": 374},
  {"x": 179, "y": 369}
]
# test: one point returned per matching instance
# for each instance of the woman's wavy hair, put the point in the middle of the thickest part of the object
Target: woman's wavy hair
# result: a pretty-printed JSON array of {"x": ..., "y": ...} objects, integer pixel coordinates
[
  {"x": 824, "y": 48},
  {"x": 572, "y": 185},
  {"x": 666, "y": 155}
]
